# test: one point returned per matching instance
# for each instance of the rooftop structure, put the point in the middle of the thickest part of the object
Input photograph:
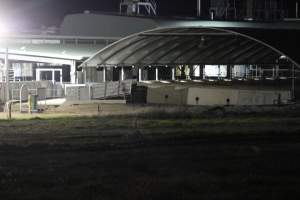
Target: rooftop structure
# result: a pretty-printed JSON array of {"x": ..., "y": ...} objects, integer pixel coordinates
[
  {"x": 248, "y": 9},
  {"x": 138, "y": 7}
]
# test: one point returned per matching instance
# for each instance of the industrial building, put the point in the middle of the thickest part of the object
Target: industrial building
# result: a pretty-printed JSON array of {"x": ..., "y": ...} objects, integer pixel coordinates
[
  {"x": 97, "y": 48},
  {"x": 248, "y": 9}
]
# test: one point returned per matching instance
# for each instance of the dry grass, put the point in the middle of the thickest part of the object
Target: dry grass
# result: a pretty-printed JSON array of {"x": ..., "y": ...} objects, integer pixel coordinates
[{"x": 136, "y": 152}]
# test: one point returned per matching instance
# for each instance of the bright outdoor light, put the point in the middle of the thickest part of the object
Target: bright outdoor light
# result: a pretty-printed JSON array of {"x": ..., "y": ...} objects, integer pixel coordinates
[{"x": 4, "y": 29}]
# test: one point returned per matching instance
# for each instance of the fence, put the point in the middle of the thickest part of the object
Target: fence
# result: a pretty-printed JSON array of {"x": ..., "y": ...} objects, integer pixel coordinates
[
  {"x": 44, "y": 90},
  {"x": 98, "y": 90},
  {"x": 48, "y": 90}
]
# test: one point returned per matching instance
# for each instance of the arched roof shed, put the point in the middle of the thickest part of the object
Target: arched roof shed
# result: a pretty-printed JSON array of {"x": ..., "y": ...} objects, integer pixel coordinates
[{"x": 200, "y": 45}]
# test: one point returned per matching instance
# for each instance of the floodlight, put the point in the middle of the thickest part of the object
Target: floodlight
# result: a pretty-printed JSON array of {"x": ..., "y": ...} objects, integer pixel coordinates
[
  {"x": 4, "y": 29},
  {"x": 282, "y": 57}
]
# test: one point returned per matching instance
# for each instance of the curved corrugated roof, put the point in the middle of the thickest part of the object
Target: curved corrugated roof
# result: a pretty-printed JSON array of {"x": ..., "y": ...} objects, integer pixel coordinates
[
  {"x": 193, "y": 45},
  {"x": 285, "y": 40}
]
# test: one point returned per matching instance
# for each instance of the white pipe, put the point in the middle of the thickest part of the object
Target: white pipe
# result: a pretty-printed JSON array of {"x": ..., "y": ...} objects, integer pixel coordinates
[
  {"x": 104, "y": 74},
  {"x": 21, "y": 89},
  {"x": 173, "y": 74},
  {"x": 6, "y": 64},
  {"x": 53, "y": 76},
  {"x": 122, "y": 74},
  {"x": 73, "y": 72},
  {"x": 140, "y": 74}
]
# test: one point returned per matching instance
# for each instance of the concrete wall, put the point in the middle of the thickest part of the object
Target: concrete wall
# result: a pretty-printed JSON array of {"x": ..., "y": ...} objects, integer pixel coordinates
[
  {"x": 215, "y": 96},
  {"x": 262, "y": 97},
  {"x": 167, "y": 95},
  {"x": 211, "y": 96}
]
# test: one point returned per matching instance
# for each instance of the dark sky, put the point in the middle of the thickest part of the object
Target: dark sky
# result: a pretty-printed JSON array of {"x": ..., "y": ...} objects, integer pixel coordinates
[{"x": 50, "y": 12}]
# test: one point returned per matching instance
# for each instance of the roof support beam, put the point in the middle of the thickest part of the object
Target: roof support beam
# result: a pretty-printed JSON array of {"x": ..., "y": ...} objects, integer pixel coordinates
[
  {"x": 185, "y": 48},
  {"x": 144, "y": 46},
  {"x": 266, "y": 55},
  {"x": 245, "y": 51},
  {"x": 230, "y": 51},
  {"x": 173, "y": 43},
  {"x": 249, "y": 55},
  {"x": 192, "y": 49},
  {"x": 126, "y": 45},
  {"x": 212, "y": 51},
  {"x": 220, "y": 47}
]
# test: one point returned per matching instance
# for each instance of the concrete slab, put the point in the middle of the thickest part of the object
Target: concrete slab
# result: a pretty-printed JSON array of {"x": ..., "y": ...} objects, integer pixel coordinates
[
  {"x": 52, "y": 102},
  {"x": 115, "y": 101}
]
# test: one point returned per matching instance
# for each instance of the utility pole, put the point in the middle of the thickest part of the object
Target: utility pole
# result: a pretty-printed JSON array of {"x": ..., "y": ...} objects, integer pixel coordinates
[{"x": 6, "y": 64}]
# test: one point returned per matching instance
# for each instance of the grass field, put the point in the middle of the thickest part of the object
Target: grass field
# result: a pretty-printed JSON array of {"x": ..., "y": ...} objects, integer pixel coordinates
[{"x": 137, "y": 152}]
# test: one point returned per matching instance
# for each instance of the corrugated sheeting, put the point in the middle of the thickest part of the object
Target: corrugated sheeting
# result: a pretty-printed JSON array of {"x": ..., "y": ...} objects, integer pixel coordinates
[{"x": 188, "y": 45}]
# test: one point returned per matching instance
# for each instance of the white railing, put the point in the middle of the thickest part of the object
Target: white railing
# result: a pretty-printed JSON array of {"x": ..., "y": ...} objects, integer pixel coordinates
[{"x": 99, "y": 90}]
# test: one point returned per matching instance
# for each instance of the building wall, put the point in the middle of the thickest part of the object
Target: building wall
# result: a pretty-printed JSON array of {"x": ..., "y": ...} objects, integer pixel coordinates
[
  {"x": 167, "y": 95},
  {"x": 221, "y": 96},
  {"x": 211, "y": 96},
  {"x": 104, "y": 25}
]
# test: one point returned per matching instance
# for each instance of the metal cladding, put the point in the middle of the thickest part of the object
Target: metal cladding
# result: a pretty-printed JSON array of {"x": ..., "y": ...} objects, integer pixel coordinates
[{"x": 248, "y": 9}]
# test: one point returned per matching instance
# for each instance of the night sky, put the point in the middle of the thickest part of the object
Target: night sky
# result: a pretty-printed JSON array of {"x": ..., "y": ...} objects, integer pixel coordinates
[{"x": 34, "y": 13}]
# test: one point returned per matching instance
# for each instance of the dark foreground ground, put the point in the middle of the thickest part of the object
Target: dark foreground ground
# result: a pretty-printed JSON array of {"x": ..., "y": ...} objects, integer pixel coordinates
[{"x": 152, "y": 156}]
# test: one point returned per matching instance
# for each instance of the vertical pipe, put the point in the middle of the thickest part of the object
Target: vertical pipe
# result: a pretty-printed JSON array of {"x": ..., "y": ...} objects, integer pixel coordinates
[
  {"x": 297, "y": 9},
  {"x": 227, "y": 72},
  {"x": 140, "y": 74},
  {"x": 156, "y": 73},
  {"x": 104, "y": 74},
  {"x": 198, "y": 8},
  {"x": 122, "y": 73},
  {"x": 21, "y": 90},
  {"x": 173, "y": 73},
  {"x": 201, "y": 72},
  {"x": 6, "y": 64},
  {"x": 73, "y": 72},
  {"x": 293, "y": 82},
  {"x": 60, "y": 76},
  {"x": 53, "y": 76},
  {"x": 90, "y": 92},
  {"x": 256, "y": 72}
]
